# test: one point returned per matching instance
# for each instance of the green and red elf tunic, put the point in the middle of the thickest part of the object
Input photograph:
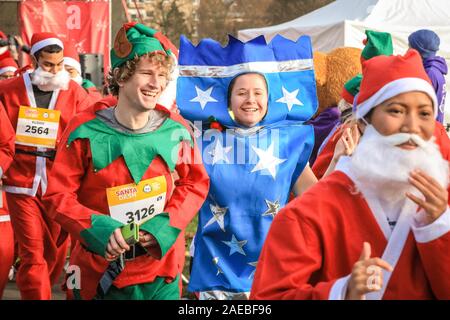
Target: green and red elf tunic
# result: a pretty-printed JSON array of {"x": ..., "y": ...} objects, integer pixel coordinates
[{"x": 95, "y": 157}]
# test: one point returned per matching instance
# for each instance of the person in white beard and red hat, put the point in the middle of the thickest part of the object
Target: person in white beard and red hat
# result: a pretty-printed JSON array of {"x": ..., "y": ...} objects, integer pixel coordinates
[
  {"x": 8, "y": 68},
  {"x": 378, "y": 227},
  {"x": 73, "y": 67},
  {"x": 39, "y": 105}
]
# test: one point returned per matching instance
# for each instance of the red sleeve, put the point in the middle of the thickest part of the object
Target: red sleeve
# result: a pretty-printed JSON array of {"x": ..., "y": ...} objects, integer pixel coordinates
[
  {"x": 64, "y": 180},
  {"x": 291, "y": 254},
  {"x": 324, "y": 158},
  {"x": 435, "y": 258},
  {"x": 442, "y": 140},
  {"x": 7, "y": 138}
]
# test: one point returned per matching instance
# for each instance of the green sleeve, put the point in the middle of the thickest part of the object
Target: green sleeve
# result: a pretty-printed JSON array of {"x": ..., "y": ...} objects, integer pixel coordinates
[
  {"x": 165, "y": 234},
  {"x": 97, "y": 236}
]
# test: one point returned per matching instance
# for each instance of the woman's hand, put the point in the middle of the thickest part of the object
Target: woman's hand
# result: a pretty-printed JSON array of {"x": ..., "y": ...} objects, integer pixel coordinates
[
  {"x": 436, "y": 197},
  {"x": 347, "y": 143},
  {"x": 366, "y": 275}
]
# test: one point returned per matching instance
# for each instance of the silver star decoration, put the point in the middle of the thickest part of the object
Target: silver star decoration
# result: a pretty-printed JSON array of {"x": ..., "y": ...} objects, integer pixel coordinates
[
  {"x": 273, "y": 208},
  {"x": 216, "y": 262},
  {"x": 290, "y": 98},
  {"x": 203, "y": 97},
  {"x": 267, "y": 160},
  {"x": 253, "y": 264},
  {"x": 218, "y": 216},
  {"x": 220, "y": 153},
  {"x": 235, "y": 245}
]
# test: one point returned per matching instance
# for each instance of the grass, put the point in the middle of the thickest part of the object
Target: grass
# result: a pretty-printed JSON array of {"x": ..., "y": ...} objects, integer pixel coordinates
[{"x": 189, "y": 234}]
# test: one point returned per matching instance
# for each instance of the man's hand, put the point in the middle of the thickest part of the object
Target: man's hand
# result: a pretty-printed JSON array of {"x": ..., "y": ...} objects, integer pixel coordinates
[
  {"x": 436, "y": 197},
  {"x": 116, "y": 246},
  {"x": 366, "y": 275},
  {"x": 146, "y": 239}
]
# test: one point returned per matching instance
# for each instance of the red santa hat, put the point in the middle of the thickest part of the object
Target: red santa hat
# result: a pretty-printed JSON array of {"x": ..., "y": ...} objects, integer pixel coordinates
[
  {"x": 71, "y": 57},
  {"x": 8, "y": 64},
  {"x": 387, "y": 76},
  {"x": 2, "y": 35},
  {"x": 42, "y": 39}
]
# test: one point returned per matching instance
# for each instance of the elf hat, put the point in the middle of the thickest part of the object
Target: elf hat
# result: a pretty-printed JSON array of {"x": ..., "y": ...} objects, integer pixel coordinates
[
  {"x": 42, "y": 39},
  {"x": 376, "y": 44},
  {"x": 135, "y": 39},
  {"x": 387, "y": 76},
  {"x": 351, "y": 88},
  {"x": 8, "y": 64},
  {"x": 71, "y": 57}
]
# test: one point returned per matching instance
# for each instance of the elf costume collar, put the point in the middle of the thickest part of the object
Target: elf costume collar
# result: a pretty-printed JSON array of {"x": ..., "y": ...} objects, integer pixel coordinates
[{"x": 138, "y": 150}]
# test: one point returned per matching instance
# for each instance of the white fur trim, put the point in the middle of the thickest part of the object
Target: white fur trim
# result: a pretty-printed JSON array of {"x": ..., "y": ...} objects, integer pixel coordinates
[
  {"x": 434, "y": 230},
  {"x": 5, "y": 218},
  {"x": 6, "y": 69},
  {"x": 394, "y": 88},
  {"x": 339, "y": 289},
  {"x": 71, "y": 62},
  {"x": 46, "y": 42}
]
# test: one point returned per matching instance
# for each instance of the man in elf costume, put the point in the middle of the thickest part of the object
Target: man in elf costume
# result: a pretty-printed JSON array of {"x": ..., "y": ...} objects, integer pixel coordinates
[
  {"x": 383, "y": 229},
  {"x": 39, "y": 106},
  {"x": 115, "y": 168},
  {"x": 6, "y": 232}
]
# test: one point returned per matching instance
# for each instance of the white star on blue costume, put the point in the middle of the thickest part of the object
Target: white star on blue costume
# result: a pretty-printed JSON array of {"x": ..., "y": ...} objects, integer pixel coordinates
[
  {"x": 218, "y": 216},
  {"x": 220, "y": 153},
  {"x": 290, "y": 98},
  {"x": 216, "y": 262},
  {"x": 273, "y": 208},
  {"x": 267, "y": 160},
  {"x": 253, "y": 264},
  {"x": 203, "y": 97},
  {"x": 235, "y": 245}
]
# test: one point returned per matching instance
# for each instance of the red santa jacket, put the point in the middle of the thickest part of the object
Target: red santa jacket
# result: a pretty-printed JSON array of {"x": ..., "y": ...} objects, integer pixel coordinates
[
  {"x": 6, "y": 153},
  {"x": 28, "y": 171},
  {"x": 77, "y": 199},
  {"x": 314, "y": 242}
]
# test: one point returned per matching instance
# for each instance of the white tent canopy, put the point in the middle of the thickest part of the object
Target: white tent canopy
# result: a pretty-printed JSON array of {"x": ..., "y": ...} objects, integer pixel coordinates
[{"x": 343, "y": 23}]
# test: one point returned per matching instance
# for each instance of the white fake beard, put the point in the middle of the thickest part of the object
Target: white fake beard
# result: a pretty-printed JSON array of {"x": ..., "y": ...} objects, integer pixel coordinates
[
  {"x": 381, "y": 166},
  {"x": 47, "y": 81},
  {"x": 3, "y": 49}
]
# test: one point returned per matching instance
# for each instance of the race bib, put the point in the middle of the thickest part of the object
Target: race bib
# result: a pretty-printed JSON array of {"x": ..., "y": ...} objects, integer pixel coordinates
[
  {"x": 137, "y": 202},
  {"x": 37, "y": 127}
]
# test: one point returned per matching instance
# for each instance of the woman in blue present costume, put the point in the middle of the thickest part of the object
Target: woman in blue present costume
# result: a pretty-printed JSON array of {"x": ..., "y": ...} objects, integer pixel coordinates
[{"x": 249, "y": 102}]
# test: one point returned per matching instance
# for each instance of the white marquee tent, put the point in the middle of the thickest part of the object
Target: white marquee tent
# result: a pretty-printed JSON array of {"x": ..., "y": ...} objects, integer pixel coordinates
[{"x": 343, "y": 23}]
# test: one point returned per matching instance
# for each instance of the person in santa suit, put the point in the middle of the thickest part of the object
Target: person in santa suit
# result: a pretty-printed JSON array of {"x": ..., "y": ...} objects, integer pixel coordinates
[
  {"x": 382, "y": 230},
  {"x": 39, "y": 105},
  {"x": 115, "y": 168},
  {"x": 73, "y": 67},
  {"x": 8, "y": 68},
  {"x": 6, "y": 232}
]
